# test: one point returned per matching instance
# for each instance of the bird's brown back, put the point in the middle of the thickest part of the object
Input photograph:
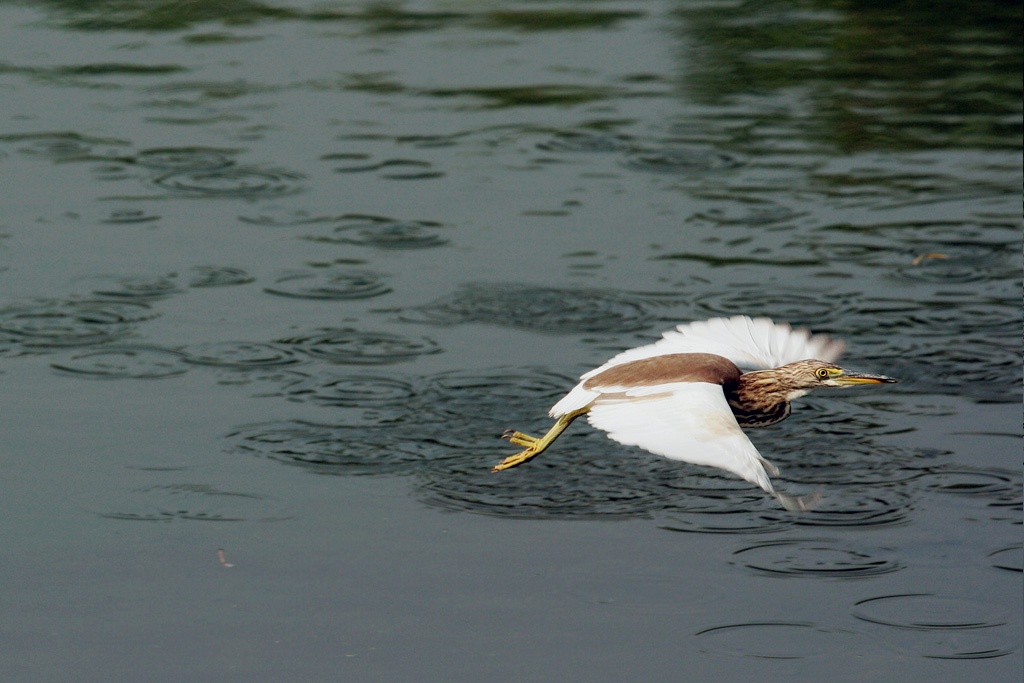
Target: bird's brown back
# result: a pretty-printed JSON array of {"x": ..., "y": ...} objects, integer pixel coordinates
[{"x": 673, "y": 367}]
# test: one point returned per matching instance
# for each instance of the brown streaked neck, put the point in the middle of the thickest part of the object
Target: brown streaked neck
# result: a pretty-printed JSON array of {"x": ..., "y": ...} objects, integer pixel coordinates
[{"x": 759, "y": 399}]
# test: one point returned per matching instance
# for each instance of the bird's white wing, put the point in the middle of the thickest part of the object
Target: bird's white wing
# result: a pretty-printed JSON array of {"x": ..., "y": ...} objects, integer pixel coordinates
[
  {"x": 750, "y": 343},
  {"x": 688, "y": 421}
]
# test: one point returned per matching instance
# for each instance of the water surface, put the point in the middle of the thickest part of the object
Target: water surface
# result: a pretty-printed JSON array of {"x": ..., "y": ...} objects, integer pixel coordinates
[{"x": 275, "y": 277}]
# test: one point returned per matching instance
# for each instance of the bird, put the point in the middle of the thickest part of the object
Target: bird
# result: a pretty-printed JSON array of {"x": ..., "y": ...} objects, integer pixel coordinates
[{"x": 689, "y": 395}]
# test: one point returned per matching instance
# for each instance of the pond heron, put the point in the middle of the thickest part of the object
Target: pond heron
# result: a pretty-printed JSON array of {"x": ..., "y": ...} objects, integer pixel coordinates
[{"x": 686, "y": 397}]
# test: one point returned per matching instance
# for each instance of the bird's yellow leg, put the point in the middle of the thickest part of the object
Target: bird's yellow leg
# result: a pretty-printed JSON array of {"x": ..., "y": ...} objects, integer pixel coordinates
[{"x": 535, "y": 446}]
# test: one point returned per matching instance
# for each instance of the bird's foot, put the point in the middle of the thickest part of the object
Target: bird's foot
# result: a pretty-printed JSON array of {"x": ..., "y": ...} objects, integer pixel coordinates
[
  {"x": 517, "y": 459},
  {"x": 519, "y": 439}
]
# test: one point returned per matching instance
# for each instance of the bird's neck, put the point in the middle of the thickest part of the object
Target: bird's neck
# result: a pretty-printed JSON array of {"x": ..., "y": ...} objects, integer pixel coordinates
[{"x": 759, "y": 399}]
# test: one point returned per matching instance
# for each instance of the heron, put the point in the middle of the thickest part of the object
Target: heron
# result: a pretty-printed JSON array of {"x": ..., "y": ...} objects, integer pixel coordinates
[{"x": 689, "y": 395}]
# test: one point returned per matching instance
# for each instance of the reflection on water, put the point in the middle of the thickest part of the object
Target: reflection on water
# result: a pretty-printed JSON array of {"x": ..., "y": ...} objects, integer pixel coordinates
[{"x": 213, "y": 208}]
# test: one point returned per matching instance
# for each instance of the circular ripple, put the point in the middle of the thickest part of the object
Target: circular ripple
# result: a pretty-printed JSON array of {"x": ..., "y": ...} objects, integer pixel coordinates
[
  {"x": 544, "y": 309},
  {"x": 355, "y": 347},
  {"x": 218, "y": 276},
  {"x": 777, "y": 302},
  {"x": 281, "y": 218},
  {"x": 386, "y": 233},
  {"x": 332, "y": 286},
  {"x": 971, "y": 481},
  {"x": 926, "y": 612},
  {"x": 838, "y": 459},
  {"x": 129, "y": 217},
  {"x": 773, "y": 640},
  {"x": 853, "y": 507},
  {"x": 139, "y": 288},
  {"x": 51, "y": 323},
  {"x": 112, "y": 312},
  {"x": 239, "y": 355},
  {"x": 1010, "y": 558},
  {"x": 58, "y": 146},
  {"x": 56, "y": 328},
  {"x": 737, "y": 514},
  {"x": 397, "y": 169},
  {"x": 501, "y": 393},
  {"x": 334, "y": 449},
  {"x": 352, "y": 391},
  {"x": 184, "y": 158},
  {"x": 819, "y": 558},
  {"x": 244, "y": 183},
  {"x": 123, "y": 362},
  {"x": 187, "y": 502},
  {"x": 681, "y": 161},
  {"x": 939, "y": 627}
]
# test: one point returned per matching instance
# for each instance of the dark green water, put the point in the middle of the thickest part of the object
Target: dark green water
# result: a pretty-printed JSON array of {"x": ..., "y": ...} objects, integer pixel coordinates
[{"x": 274, "y": 279}]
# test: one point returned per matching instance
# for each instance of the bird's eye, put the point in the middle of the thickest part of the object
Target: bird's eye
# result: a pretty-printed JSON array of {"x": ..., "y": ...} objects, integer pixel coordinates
[{"x": 822, "y": 373}]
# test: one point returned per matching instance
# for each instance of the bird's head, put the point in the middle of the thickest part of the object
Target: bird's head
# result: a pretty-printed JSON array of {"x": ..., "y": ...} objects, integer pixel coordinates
[{"x": 806, "y": 375}]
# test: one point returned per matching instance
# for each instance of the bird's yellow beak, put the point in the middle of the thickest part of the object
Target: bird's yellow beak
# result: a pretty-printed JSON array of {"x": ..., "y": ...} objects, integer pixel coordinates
[{"x": 849, "y": 379}]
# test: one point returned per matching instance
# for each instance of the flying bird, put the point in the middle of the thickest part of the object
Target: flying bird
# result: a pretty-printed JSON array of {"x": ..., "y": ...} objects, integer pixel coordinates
[{"x": 689, "y": 395}]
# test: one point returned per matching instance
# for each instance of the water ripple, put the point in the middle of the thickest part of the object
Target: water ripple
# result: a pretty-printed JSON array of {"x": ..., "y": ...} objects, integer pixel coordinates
[
  {"x": 356, "y": 347},
  {"x": 774, "y": 640},
  {"x": 851, "y": 507},
  {"x": 794, "y": 305},
  {"x": 543, "y": 309},
  {"x": 231, "y": 182},
  {"x": 138, "y": 288},
  {"x": 218, "y": 276},
  {"x": 998, "y": 486},
  {"x": 187, "y": 502},
  {"x": 135, "y": 361},
  {"x": 816, "y": 558},
  {"x": 334, "y": 449},
  {"x": 184, "y": 158},
  {"x": 738, "y": 513},
  {"x": 383, "y": 233},
  {"x": 927, "y": 612},
  {"x": 397, "y": 169},
  {"x": 59, "y": 146},
  {"x": 129, "y": 217},
  {"x": 329, "y": 285},
  {"x": 52, "y": 323},
  {"x": 1010, "y": 558},
  {"x": 239, "y": 355},
  {"x": 352, "y": 391}
]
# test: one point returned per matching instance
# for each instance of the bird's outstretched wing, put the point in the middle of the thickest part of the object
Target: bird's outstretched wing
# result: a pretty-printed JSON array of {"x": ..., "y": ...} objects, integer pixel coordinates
[
  {"x": 688, "y": 421},
  {"x": 691, "y": 422},
  {"x": 750, "y": 343}
]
